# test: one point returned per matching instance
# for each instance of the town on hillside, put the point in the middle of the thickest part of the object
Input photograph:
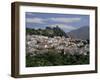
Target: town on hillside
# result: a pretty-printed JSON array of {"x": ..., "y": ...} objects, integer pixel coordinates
[
  {"x": 53, "y": 46},
  {"x": 39, "y": 44}
]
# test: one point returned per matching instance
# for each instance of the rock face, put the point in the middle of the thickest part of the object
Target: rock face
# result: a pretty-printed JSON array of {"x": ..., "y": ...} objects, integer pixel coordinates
[
  {"x": 38, "y": 44},
  {"x": 81, "y": 33},
  {"x": 48, "y": 31}
]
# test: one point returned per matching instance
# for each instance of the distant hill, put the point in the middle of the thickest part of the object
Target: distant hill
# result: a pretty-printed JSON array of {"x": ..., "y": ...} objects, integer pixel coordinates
[
  {"x": 81, "y": 33},
  {"x": 48, "y": 31}
]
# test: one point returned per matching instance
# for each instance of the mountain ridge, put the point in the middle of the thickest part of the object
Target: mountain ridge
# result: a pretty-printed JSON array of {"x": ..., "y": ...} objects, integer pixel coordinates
[{"x": 80, "y": 33}]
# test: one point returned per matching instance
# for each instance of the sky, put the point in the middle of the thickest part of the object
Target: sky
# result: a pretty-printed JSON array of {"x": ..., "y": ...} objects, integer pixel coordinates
[{"x": 66, "y": 22}]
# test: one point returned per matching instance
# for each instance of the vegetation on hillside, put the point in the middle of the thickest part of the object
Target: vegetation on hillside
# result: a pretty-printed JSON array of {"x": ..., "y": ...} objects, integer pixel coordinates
[
  {"x": 54, "y": 59},
  {"x": 48, "y": 31}
]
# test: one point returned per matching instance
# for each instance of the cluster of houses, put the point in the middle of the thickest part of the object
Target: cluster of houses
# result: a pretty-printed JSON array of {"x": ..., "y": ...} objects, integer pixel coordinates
[{"x": 40, "y": 44}]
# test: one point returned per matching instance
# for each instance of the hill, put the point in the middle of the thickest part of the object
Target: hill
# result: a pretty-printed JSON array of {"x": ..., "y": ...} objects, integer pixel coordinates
[
  {"x": 81, "y": 33},
  {"x": 48, "y": 31}
]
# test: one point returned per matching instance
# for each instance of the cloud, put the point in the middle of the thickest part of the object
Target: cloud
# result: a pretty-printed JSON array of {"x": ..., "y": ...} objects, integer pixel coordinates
[
  {"x": 65, "y": 20},
  {"x": 29, "y": 13},
  {"x": 35, "y": 20},
  {"x": 64, "y": 27},
  {"x": 57, "y": 20}
]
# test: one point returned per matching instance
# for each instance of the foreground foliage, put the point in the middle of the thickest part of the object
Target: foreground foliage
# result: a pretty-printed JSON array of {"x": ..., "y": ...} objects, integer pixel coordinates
[{"x": 56, "y": 59}]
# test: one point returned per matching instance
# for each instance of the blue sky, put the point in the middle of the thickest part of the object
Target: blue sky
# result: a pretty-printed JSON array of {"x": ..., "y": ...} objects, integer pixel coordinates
[{"x": 67, "y": 22}]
